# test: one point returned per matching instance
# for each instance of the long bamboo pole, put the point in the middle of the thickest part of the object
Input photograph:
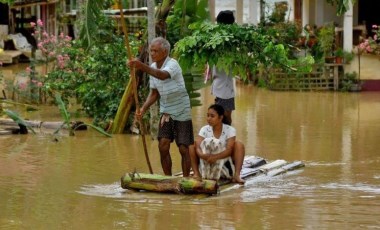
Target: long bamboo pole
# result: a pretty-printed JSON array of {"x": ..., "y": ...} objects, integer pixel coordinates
[{"x": 134, "y": 86}]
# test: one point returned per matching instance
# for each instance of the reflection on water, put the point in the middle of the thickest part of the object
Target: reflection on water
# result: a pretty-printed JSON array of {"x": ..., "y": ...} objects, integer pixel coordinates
[{"x": 74, "y": 182}]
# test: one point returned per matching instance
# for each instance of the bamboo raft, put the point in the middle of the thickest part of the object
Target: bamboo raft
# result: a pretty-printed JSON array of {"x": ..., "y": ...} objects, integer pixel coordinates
[{"x": 253, "y": 166}]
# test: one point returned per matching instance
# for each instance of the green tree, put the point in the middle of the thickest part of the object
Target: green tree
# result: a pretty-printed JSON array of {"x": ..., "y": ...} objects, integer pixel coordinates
[{"x": 341, "y": 5}]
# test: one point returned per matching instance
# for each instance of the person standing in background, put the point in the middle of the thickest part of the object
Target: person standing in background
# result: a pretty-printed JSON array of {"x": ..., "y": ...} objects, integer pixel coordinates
[{"x": 223, "y": 87}]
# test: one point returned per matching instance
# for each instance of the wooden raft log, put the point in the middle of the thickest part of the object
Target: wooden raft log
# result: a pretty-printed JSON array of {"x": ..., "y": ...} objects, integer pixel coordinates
[
  {"x": 39, "y": 124},
  {"x": 252, "y": 167},
  {"x": 168, "y": 184}
]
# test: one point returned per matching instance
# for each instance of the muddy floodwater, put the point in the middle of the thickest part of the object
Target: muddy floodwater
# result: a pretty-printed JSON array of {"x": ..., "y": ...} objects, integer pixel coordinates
[{"x": 65, "y": 182}]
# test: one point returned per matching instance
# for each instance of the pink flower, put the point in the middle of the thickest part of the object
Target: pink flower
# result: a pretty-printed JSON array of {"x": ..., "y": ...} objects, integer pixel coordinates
[
  {"x": 32, "y": 24},
  {"x": 40, "y": 84},
  {"x": 22, "y": 85},
  {"x": 40, "y": 23},
  {"x": 28, "y": 69}
]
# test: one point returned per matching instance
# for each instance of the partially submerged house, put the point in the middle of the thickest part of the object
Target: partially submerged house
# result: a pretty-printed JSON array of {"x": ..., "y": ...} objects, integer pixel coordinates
[
  {"x": 57, "y": 15},
  {"x": 357, "y": 22},
  {"x": 16, "y": 33},
  {"x": 350, "y": 26}
]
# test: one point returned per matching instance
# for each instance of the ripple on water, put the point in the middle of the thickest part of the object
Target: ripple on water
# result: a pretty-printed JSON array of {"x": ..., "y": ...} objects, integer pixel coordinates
[
  {"x": 358, "y": 187},
  {"x": 115, "y": 191},
  {"x": 263, "y": 187},
  {"x": 104, "y": 190}
]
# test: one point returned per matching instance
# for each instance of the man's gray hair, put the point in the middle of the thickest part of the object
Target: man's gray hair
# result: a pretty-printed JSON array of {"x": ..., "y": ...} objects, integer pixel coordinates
[{"x": 164, "y": 43}]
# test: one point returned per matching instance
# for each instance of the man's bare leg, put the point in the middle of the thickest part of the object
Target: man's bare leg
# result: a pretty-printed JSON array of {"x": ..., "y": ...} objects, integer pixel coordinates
[
  {"x": 186, "y": 161},
  {"x": 166, "y": 160}
]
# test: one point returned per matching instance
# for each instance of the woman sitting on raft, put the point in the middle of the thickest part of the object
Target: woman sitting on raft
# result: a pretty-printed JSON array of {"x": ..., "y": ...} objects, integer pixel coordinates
[{"x": 226, "y": 135}]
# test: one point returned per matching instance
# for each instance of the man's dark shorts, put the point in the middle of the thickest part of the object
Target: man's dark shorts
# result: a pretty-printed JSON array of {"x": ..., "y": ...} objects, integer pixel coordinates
[
  {"x": 180, "y": 131},
  {"x": 228, "y": 104}
]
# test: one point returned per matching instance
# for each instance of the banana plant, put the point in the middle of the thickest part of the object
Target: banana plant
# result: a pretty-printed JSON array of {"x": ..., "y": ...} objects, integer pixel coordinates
[
  {"x": 67, "y": 119},
  {"x": 89, "y": 16}
]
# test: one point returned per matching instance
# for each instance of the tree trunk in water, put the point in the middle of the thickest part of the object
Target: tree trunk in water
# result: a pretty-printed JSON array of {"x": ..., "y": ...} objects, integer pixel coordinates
[
  {"x": 154, "y": 110},
  {"x": 9, "y": 123},
  {"x": 168, "y": 184},
  {"x": 123, "y": 111}
]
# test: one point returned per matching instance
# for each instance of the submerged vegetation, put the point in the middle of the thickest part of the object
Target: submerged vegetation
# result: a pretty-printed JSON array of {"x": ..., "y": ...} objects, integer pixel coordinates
[{"x": 67, "y": 119}]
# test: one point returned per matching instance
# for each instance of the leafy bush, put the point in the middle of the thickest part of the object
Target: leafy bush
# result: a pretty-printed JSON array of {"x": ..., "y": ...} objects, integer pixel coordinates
[
  {"x": 97, "y": 79},
  {"x": 349, "y": 80},
  {"x": 231, "y": 47}
]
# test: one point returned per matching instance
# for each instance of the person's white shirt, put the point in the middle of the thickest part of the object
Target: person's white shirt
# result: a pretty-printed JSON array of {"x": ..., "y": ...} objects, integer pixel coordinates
[{"x": 223, "y": 85}]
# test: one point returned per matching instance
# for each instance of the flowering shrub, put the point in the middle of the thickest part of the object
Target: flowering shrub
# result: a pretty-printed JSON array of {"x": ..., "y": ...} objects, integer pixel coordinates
[
  {"x": 96, "y": 76},
  {"x": 370, "y": 45},
  {"x": 366, "y": 46},
  {"x": 376, "y": 30},
  {"x": 51, "y": 46},
  {"x": 29, "y": 86}
]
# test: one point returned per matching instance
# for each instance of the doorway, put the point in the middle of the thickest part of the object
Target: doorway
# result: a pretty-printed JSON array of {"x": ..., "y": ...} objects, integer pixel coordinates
[{"x": 369, "y": 14}]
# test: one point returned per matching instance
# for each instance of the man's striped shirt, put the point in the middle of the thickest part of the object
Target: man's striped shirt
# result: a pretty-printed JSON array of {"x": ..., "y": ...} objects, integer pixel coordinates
[{"x": 174, "y": 99}]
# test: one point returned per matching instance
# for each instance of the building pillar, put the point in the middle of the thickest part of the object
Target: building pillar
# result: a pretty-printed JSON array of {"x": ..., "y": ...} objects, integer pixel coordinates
[
  {"x": 151, "y": 23},
  {"x": 253, "y": 12},
  {"x": 211, "y": 7},
  {"x": 305, "y": 13},
  {"x": 291, "y": 10},
  {"x": 239, "y": 12},
  {"x": 319, "y": 12},
  {"x": 348, "y": 28}
]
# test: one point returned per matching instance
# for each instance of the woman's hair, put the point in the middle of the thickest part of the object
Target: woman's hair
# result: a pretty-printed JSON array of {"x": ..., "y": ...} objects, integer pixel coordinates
[
  {"x": 164, "y": 43},
  {"x": 220, "y": 111},
  {"x": 225, "y": 17}
]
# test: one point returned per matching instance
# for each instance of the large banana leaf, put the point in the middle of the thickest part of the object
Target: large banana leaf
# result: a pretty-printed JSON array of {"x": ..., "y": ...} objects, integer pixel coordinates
[
  {"x": 89, "y": 18},
  {"x": 67, "y": 119},
  {"x": 98, "y": 129},
  {"x": 62, "y": 108}
]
